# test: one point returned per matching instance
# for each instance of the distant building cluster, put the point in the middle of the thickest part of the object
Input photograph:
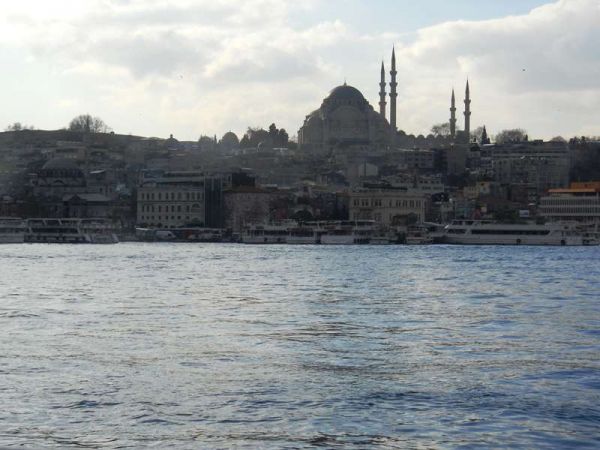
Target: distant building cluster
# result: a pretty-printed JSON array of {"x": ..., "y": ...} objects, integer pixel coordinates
[{"x": 350, "y": 162}]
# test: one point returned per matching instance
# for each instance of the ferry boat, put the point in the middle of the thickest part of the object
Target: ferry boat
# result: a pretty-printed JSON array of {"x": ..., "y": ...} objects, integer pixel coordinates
[
  {"x": 265, "y": 234},
  {"x": 418, "y": 235},
  {"x": 70, "y": 231},
  {"x": 205, "y": 235},
  {"x": 348, "y": 232},
  {"x": 304, "y": 234},
  {"x": 488, "y": 232},
  {"x": 190, "y": 234},
  {"x": 12, "y": 230}
]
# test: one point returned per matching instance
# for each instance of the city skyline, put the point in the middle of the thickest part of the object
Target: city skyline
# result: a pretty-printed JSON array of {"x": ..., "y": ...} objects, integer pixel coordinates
[{"x": 191, "y": 68}]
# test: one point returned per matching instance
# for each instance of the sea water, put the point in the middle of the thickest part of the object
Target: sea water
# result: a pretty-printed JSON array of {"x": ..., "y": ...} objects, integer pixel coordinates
[{"x": 231, "y": 346}]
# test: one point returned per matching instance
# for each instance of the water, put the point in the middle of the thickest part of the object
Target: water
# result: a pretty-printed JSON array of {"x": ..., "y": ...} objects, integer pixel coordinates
[{"x": 232, "y": 346}]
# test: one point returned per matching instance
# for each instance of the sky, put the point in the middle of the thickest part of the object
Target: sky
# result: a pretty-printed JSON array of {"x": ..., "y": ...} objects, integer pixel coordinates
[{"x": 205, "y": 67}]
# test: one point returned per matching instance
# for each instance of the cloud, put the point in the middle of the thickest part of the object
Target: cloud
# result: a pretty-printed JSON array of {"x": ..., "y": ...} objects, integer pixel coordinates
[
  {"x": 186, "y": 67},
  {"x": 524, "y": 68}
]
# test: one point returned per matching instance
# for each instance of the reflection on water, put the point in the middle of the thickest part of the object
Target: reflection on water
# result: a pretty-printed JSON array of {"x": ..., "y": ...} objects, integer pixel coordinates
[{"x": 223, "y": 346}]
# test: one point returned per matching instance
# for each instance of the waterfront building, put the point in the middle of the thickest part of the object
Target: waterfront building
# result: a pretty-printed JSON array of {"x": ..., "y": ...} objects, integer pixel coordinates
[
  {"x": 387, "y": 206},
  {"x": 246, "y": 205},
  {"x": 171, "y": 199},
  {"x": 580, "y": 202}
]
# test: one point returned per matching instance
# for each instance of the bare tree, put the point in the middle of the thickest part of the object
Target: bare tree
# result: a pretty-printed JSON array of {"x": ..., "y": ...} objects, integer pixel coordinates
[
  {"x": 88, "y": 124},
  {"x": 441, "y": 129}
]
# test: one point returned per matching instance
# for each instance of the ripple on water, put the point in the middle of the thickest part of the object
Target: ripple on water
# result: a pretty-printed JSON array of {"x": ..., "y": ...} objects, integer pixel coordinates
[{"x": 220, "y": 346}]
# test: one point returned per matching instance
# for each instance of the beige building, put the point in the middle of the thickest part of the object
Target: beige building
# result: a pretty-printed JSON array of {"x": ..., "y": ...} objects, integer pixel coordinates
[
  {"x": 387, "y": 206},
  {"x": 173, "y": 199}
]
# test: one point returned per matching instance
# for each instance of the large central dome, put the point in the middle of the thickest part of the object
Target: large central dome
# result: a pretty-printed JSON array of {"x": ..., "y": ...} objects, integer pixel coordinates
[{"x": 345, "y": 92}]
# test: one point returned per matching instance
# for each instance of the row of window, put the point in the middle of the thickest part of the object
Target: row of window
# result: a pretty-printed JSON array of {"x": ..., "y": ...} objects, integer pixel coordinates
[
  {"x": 171, "y": 195},
  {"x": 173, "y": 208},
  {"x": 161, "y": 217},
  {"x": 588, "y": 210},
  {"x": 377, "y": 202},
  {"x": 572, "y": 202}
]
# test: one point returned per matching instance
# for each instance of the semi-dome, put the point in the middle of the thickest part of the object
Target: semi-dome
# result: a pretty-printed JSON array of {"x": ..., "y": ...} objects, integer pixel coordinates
[
  {"x": 345, "y": 92},
  {"x": 60, "y": 164}
]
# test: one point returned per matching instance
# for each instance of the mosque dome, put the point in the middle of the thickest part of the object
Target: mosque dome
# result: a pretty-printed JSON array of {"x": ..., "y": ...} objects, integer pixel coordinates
[
  {"x": 345, "y": 93},
  {"x": 230, "y": 140}
]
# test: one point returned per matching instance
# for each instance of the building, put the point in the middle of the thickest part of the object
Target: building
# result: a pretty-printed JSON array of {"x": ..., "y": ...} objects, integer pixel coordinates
[
  {"x": 345, "y": 120},
  {"x": 541, "y": 165},
  {"x": 245, "y": 205},
  {"x": 171, "y": 199},
  {"x": 416, "y": 159},
  {"x": 57, "y": 177},
  {"x": 387, "y": 206},
  {"x": 580, "y": 202}
]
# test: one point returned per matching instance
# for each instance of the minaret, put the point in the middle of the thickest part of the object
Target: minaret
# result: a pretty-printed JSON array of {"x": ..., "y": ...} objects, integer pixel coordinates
[
  {"x": 452, "y": 116},
  {"x": 467, "y": 114},
  {"x": 393, "y": 96},
  {"x": 382, "y": 102}
]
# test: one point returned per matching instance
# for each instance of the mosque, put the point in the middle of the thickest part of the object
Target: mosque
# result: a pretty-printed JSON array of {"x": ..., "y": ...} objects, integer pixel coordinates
[{"x": 346, "y": 120}]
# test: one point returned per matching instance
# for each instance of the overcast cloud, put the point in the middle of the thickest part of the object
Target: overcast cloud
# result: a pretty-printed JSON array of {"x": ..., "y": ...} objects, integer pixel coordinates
[{"x": 204, "y": 67}]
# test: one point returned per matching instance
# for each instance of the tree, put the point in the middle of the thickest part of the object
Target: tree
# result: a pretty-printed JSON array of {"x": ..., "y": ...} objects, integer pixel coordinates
[
  {"x": 282, "y": 138},
  {"x": 441, "y": 129},
  {"x": 85, "y": 123},
  {"x": 273, "y": 132},
  {"x": 17, "y": 126},
  {"x": 558, "y": 139},
  {"x": 510, "y": 136},
  {"x": 476, "y": 135}
]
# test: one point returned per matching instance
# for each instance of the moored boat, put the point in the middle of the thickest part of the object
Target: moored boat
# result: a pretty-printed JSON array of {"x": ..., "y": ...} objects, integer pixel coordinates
[
  {"x": 12, "y": 230},
  {"x": 482, "y": 232},
  {"x": 69, "y": 231}
]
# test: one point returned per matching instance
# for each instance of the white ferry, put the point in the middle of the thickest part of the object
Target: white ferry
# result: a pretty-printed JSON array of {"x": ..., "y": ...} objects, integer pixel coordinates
[
  {"x": 348, "y": 232},
  {"x": 418, "y": 235},
  {"x": 303, "y": 234},
  {"x": 488, "y": 232},
  {"x": 70, "y": 231},
  {"x": 12, "y": 230},
  {"x": 265, "y": 234}
]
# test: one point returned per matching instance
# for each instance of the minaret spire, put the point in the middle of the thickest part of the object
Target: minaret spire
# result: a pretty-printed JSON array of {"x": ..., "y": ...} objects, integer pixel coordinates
[
  {"x": 393, "y": 96},
  {"x": 452, "y": 116},
  {"x": 382, "y": 102},
  {"x": 467, "y": 113}
]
